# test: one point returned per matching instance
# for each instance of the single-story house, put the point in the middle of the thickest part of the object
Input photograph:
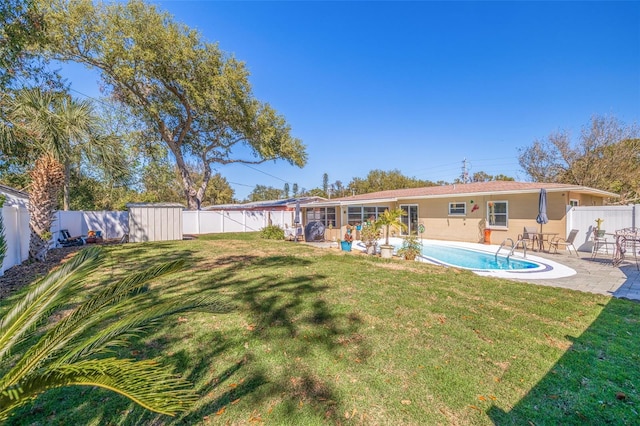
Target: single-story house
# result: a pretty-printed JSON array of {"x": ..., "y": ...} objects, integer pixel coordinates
[
  {"x": 287, "y": 204},
  {"x": 459, "y": 212}
]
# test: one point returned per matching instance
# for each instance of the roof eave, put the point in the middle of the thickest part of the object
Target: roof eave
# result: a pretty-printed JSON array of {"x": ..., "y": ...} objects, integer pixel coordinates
[
  {"x": 580, "y": 189},
  {"x": 349, "y": 202}
]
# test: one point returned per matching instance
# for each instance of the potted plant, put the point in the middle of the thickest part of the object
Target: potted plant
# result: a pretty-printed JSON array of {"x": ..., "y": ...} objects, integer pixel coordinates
[
  {"x": 599, "y": 233},
  {"x": 388, "y": 219},
  {"x": 370, "y": 235},
  {"x": 411, "y": 247},
  {"x": 345, "y": 244}
]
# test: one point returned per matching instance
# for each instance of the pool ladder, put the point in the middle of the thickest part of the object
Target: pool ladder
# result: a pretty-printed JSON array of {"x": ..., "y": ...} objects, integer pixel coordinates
[{"x": 513, "y": 247}]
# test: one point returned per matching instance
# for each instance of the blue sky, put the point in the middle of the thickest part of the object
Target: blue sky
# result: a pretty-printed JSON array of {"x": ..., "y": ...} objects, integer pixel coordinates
[{"x": 420, "y": 86}]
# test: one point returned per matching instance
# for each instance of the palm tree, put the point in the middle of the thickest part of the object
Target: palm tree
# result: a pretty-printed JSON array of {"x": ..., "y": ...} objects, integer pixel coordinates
[
  {"x": 56, "y": 124},
  {"x": 391, "y": 218},
  {"x": 46, "y": 124},
  {"x": 3, "y": 240},
  {"x": 47, "y": 177},
  {"x": 71, "y": 351}
]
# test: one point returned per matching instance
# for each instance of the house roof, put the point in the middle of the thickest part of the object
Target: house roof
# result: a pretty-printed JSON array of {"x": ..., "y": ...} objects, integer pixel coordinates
[
  {"x": 154, "y": 205},
  {"x": 283, "y": 203},
  {"x": 459, "y": 190},
  {"x": 15, "y": 192}
]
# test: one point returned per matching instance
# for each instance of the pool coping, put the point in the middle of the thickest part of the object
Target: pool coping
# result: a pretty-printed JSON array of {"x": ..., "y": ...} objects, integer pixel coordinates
[{"x": 552, "y": 269}]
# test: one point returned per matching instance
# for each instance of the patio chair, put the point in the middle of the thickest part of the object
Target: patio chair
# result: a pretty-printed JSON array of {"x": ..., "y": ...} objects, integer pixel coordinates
[
  {"x": 567, "y": 242},
  {"x": 529, "y": 235},
  {"x": 67, "y": 240},
  {"x": 600, "y": 241}
]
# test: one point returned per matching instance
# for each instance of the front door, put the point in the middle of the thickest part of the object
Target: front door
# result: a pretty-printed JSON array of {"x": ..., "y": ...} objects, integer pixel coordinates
[{"x": 410, "y": 219}]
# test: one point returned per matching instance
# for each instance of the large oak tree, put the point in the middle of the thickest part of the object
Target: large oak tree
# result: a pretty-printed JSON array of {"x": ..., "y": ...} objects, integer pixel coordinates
[{"x": 196, "y": 99}]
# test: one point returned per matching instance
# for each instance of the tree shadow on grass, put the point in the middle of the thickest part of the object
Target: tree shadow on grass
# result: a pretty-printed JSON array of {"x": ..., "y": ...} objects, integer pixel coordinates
[
  {"x": 285, "y": 307},
  {"x": 596, "y": 381},
  {"x": 283, "y": 303}
]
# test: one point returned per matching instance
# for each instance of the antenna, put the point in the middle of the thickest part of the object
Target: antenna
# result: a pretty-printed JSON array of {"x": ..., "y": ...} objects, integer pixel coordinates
[{"x": 465, "y": 172}]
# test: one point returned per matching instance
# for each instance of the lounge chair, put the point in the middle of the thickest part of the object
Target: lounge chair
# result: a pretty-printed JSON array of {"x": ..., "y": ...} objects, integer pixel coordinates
[
  {"x": 67, "y": 240},
  {"x": 567, "y": 242}
]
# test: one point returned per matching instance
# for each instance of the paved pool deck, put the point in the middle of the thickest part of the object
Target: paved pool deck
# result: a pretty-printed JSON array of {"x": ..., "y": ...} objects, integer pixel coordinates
[{"x": 596, "y": 275}]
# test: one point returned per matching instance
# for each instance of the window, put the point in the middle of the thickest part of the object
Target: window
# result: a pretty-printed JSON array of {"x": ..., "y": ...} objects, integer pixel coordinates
[
  {"x": 574, "y": 203},
  {"x": 457, "y": 209},
  {"x": 362, "y": 214},
  {"x": 497, "y": 213},
  {"x": 326, "y": 215}
]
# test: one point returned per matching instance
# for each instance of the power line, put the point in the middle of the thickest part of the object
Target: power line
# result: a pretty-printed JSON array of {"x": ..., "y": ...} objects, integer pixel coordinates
[
  {"x": 241, "y": 184},
  {"x": 265, "y": 173}
]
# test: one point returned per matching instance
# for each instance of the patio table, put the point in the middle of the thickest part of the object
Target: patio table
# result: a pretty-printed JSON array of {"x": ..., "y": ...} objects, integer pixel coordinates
[
  {"x": 544, "y": 237},
  {"x": 624, "y": 238}
]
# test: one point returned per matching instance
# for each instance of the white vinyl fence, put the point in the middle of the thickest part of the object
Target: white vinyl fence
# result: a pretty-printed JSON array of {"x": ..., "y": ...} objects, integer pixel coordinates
[
  {"x": 16, "y": 234},
  {"x": 113, "y": 224},
  {"x": 219, "y": 221},
  {"x": 584, "y": 218}
]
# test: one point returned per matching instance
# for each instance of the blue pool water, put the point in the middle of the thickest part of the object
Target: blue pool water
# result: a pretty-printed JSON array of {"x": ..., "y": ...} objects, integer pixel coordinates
[{"x": 472, "y": 259}]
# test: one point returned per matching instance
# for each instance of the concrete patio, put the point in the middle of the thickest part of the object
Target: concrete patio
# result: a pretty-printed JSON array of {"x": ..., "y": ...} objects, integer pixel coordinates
[{"x": 595, "y": 275}]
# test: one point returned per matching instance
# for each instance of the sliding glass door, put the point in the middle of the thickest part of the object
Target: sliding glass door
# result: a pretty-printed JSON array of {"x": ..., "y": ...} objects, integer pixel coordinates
[{"x": 410, "y": 219}]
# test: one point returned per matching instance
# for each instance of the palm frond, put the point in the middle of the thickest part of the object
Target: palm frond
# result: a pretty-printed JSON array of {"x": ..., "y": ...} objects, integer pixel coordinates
[
  {"x": 46, "y": 295},
  {"x": 116, "y": 333},
  {"x": 153, "y": 388},
  {"x": 84, "y": 316}
]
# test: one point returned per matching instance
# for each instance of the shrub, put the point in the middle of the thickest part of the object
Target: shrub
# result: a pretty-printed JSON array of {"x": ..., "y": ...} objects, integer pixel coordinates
[
  {"x": 411, "y": 247},
  {"x": 272, "y": 232},
  {"x": 370, "y": 235}
]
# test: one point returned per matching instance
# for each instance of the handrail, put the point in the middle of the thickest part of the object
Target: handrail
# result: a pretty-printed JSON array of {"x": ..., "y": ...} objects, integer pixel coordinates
[
  {"x": 524, "y": 247},
  {"x": 502, "y": 245},
  {"x": 513, "y": 247}
]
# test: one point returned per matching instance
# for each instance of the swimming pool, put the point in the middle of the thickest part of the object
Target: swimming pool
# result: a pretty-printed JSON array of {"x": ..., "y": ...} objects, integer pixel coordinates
[
  {"x": 474, "y": 259},
  {"x": 456, "y": 253}
]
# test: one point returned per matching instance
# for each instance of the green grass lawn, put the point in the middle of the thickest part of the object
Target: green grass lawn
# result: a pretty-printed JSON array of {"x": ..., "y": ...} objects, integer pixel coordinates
[{"x": 318, "y": 336}]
